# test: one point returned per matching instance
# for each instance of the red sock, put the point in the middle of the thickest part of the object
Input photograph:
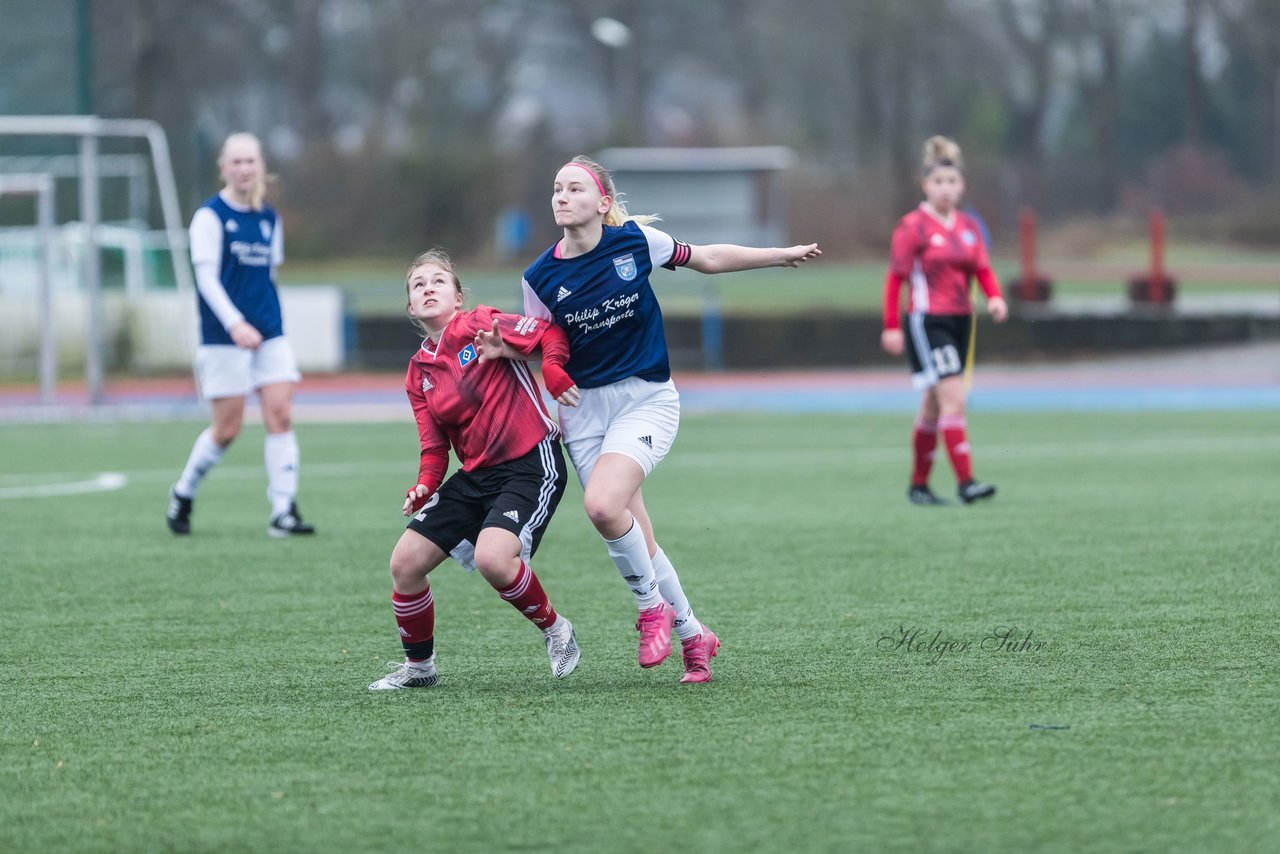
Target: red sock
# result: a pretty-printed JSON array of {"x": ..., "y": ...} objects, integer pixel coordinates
[
  {"x": 416, "y": 617},
  {"x": 952, "y": 427},
  {"x": 527, "y": 596},
  {"x": 924, "y": 440}
]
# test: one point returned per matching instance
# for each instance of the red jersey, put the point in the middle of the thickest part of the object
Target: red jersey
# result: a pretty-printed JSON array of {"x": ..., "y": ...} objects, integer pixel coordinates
[
  {"x": 489, "y": 412},
  {"x": 937, "y": 260}
]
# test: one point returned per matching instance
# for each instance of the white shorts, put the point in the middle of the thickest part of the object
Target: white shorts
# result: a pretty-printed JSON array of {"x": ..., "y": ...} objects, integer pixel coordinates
[
  {"x": 632, "y": 417},
  {"x": 225, "y": 370}
]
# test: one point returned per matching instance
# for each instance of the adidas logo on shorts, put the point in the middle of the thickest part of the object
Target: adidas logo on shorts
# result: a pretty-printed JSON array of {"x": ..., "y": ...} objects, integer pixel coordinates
[
  {"x": 648, "y": 441},
  {"x": 513, "y": 515}
]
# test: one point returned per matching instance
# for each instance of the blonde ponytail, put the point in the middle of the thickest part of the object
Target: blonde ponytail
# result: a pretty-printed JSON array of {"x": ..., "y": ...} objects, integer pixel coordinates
[{"x": 941, "y": 151}]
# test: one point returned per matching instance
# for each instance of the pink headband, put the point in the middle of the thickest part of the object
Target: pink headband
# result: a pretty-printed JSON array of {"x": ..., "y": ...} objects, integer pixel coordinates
[{"x": 590, "y": 172}]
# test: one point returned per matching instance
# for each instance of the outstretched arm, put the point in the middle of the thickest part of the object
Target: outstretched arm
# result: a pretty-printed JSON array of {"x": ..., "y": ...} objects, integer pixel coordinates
[{"x": 730, "y": 258}]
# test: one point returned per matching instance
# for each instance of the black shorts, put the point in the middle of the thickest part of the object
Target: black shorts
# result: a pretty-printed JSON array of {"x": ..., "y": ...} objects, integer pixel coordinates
[
  {"x": 518, "y": 496},
  {"x": 937, "y": 346}
]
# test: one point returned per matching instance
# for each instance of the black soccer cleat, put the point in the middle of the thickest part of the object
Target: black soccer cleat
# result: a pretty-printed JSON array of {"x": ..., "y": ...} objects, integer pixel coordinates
[
  {"x": 972, "y": 490},
  {"x": 924, "y": 496},
  {"x": 289, "y": 524},
  {"x": 179, "y": 513}
]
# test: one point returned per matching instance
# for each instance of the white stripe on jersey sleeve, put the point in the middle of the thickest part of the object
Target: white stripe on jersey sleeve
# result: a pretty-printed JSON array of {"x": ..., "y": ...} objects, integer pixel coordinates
[
  {"x": 277, "y": 245},
  {"x": 206, "y": 237},
  {"x": 661, "y": 245},
  {"x": 533, "y": 306},
  {"x": 206, "y": 258},
  {"x": 215, "y": 296}
]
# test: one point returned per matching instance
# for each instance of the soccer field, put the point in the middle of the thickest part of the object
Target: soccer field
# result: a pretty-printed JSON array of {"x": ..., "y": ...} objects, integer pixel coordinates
[{"x": 1084, "y": 664}]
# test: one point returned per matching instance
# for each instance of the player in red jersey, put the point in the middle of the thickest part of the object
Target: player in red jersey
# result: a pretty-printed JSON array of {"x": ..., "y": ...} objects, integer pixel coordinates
[
  {"x": 491, "y": 514},
  {"x": 937, "y": 249}
]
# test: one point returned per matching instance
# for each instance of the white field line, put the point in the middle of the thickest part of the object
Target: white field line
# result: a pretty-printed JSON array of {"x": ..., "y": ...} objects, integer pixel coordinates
[
  {"x": 72, "y": 483},
  {"x": 104, "y": 482}
]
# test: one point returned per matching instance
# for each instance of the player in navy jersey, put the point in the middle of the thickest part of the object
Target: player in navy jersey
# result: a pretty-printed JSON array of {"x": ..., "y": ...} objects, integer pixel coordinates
[
  {"x": 620, "y": 418},
  {"x": 236, "y": 244},
  {"x": 938, "y": 248},
  {"x": 491, "y": 514}
]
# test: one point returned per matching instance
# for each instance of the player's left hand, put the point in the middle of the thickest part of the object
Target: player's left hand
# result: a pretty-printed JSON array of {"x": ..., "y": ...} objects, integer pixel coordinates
[
  {"x": 797, "y": 255},
  {"x": 998, "y": 309},
  {"x": 489, "y": 343}
]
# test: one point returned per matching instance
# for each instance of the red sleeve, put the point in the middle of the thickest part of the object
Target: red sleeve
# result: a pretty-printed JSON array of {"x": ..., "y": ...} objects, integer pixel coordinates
[
  {"x": 434, "y": 460},
  {"x": 905, "y": 248},
  {"x": 555, "y": 345},
  {"x": 990, "y": 284},
  {"x": 892, "y": 294},
  {"x": 555, "y": 353}
]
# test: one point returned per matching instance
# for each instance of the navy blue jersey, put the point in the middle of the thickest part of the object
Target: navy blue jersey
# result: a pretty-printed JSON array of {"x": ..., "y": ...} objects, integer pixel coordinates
[
  {"x": 245, "y": 270},
  {"x": 604, "y": 302}
]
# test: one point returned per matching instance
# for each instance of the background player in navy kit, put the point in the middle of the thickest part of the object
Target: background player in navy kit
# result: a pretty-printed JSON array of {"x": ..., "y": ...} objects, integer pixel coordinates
[
  {"x": 236, "y": 244},
  {"x": 620, "y": 419},
  {"x": 937, "y": 248},
  {"x": 490, "y": 515}
]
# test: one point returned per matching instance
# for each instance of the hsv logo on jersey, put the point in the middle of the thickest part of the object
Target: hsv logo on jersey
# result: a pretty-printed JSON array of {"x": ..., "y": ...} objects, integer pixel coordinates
[
  {"x": 466, "y": 355},
  {"x": 625, "y": 267},
  {"x": 266, "y": 229},
  {"x": 968, "y": 237}
]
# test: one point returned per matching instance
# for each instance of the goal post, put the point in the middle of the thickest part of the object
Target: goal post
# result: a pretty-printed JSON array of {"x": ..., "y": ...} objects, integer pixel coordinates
[
  {"x": 88, "y": 130},
  {"x": 40, "y": 185}
]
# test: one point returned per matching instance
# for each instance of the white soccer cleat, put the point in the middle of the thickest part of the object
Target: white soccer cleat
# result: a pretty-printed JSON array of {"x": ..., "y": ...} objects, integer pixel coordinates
[
  {"x": 408, "y": 675},
  {"x": 562, "y": 649}
]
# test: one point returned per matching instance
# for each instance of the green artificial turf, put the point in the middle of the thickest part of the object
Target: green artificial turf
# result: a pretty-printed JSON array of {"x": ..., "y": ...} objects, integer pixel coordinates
[{"x": 209, "y": 693}]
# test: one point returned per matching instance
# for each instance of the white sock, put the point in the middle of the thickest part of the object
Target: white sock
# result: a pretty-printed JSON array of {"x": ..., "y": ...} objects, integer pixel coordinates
[
  {"x": 280, "y": 452},
  {"x": 630, "y": 554},
  {"x": 687, "y": 625},
  {"x": 555, "y": 627},
  {"x": 205, "y": 454}
]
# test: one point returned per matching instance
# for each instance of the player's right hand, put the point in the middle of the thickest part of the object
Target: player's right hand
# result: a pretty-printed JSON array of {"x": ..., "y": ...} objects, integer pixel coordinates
[
  {"x": 489, "y": 343},
  {"x": 415, "y": 498},
  {"x": 245, "y": 335},
  {"x": 794, "y": 256},
  {"x": 891, "y": 341}
]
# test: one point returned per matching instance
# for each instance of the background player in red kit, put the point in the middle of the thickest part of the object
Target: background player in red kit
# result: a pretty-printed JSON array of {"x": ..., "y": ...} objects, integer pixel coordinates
[
  {"x": 937, "y": 248},
  {"x": 491, "y": 514}
]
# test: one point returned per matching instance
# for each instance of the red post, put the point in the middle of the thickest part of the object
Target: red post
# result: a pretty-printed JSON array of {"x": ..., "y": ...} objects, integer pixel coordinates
[
  {"x": 1027, "y": 241},
  {"x": 1158, "y": 281},
  {"x": 1030, "y": 286},
  {"x": 1155, "y": 287}
]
